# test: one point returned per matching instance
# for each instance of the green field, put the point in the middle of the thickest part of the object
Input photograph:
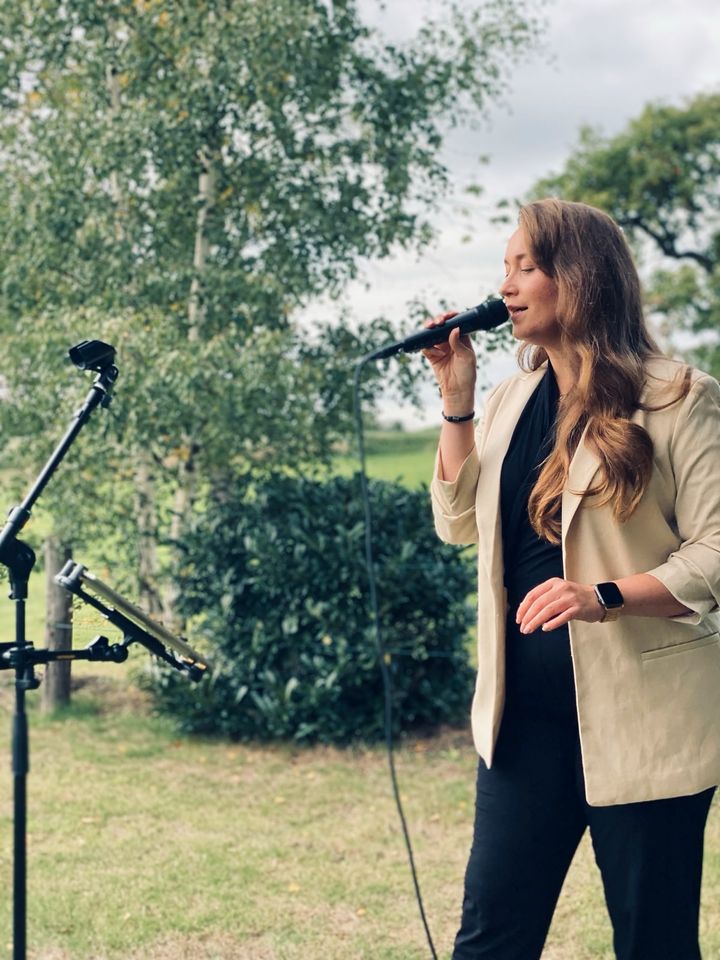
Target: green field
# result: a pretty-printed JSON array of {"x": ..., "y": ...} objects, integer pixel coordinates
[{"x": 407, "y": 457}]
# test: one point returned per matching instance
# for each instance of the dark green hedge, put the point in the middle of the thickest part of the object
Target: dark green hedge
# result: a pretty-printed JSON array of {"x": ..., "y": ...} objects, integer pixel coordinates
[{"x": 276, "y": 572}]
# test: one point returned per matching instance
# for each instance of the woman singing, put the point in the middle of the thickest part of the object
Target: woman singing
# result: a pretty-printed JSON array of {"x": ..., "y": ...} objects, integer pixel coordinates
[{"x": 592, "y": 490}]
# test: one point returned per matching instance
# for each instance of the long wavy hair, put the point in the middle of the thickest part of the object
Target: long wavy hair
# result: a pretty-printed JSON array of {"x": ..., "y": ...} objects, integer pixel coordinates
[{"x": 603, "y": 329}]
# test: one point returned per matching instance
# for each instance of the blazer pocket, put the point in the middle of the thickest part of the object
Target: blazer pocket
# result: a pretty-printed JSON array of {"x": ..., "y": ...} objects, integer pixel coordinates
[{"x": 675, "y": 648}]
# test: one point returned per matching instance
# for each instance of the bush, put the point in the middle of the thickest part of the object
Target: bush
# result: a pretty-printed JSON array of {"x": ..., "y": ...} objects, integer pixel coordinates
[{"x": 276, "y": 578}]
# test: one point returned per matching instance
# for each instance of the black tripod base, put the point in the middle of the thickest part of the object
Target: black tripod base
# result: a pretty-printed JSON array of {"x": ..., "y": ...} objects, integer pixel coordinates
[{"x": 23, "y": 658}]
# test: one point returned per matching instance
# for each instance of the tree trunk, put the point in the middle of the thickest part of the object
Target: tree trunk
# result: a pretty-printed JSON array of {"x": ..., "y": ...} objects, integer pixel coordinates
[
  {"x": 146, "y": 518},
  {"x": 185, "y": 491},
  {"x": 58, "y": 628},
  {"x": 113, "y": 85},
  {"x": 145, "y": 506},
  {"x": 206, "y": 201}
]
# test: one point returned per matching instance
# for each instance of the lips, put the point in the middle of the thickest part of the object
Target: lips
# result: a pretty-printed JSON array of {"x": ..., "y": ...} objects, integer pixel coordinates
[{"x": 515, "y": 311}]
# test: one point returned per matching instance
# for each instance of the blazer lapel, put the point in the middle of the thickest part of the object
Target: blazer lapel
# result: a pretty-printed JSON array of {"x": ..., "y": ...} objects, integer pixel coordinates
[
  {"x": 583, "y": 467},
  {"x": 498, "y": 436}
]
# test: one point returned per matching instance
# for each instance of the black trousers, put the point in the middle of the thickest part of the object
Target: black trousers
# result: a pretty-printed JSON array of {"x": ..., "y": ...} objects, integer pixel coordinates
[{"x": 531, "y": 814}]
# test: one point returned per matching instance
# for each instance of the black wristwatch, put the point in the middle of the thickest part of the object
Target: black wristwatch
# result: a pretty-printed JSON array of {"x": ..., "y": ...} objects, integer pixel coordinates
[{"x": 610, "y": 599}]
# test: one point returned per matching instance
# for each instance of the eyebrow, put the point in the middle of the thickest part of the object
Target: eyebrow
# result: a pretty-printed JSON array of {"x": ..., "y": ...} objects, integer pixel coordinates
[{"x": 518, "y": 256}]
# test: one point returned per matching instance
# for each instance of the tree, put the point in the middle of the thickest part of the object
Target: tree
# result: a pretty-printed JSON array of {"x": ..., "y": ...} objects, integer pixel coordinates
[
  {"x": 660, "y": 179},
  {"x": 178, "y": 178}
]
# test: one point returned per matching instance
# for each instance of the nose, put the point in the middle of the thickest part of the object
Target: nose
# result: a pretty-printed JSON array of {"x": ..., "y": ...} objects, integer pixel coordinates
[{"x": 507, "y": 286}]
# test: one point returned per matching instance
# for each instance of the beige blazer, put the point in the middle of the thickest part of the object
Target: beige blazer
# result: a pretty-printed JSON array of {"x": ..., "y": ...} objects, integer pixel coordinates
[{"x": 648, "y": 689}]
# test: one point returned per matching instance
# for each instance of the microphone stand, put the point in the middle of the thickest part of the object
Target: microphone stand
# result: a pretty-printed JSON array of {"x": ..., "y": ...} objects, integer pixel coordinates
[
  {"x": 19, "y": 655},
  {"x": 22, "y": 657}
]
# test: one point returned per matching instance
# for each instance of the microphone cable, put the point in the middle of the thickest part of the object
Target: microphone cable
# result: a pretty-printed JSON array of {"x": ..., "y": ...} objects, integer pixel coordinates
[{"x": 384, "y": 657}]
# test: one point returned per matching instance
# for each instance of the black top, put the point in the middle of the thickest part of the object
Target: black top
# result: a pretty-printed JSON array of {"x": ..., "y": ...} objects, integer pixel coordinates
[
  {"x": 529, "y": 560},
  {"x": 540, "y": 686}
]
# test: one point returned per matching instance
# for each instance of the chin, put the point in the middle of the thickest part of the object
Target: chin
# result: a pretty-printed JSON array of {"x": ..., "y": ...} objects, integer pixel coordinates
[{"x": 520, "y": 334}]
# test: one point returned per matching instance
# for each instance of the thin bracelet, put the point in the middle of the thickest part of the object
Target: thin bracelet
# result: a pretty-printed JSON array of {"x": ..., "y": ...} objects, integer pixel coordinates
[{"x": 470, "y": 416}]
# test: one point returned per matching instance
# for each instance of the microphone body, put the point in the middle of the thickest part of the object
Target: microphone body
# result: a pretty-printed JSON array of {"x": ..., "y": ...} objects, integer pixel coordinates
[{"x": 485, "y": 316}]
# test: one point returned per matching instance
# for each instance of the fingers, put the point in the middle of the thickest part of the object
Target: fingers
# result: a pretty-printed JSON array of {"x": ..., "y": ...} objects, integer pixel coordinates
[
  {"x": 459, "y": 343},
  {"x": 560, "y": 621},
  {"x": 551, "y": 616},
  {"x": 453, "y": 359},
  {"x": 554, "y": 603},
  {"x": 438, "y": 352},
  {"x": 532, "y": 596},
  {"x": 439, "y": 319},
  {"x": 455, "y": 346}
]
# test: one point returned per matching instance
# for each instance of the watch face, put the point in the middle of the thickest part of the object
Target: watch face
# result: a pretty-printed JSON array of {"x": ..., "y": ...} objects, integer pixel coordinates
[{"x": 610, "y": 595}]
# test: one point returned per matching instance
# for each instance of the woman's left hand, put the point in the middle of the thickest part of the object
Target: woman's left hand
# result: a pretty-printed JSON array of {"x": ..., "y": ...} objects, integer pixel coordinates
[{"x": 553, "y": 603}]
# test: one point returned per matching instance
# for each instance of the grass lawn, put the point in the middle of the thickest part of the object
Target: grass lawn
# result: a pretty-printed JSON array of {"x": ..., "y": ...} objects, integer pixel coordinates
[{"x": 145, "y": 845}]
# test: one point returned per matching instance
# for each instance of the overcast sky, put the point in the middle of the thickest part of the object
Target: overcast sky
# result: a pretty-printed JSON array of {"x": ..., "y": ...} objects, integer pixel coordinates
[{"x": 608, "y": 58}]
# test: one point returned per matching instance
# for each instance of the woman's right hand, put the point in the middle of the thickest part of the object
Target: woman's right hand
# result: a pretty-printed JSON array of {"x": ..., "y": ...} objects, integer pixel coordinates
[{"x": 455, "y": 367}]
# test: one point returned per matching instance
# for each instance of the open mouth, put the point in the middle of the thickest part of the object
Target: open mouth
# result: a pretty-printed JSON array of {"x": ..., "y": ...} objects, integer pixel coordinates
[{"x": 516, "y": 311}]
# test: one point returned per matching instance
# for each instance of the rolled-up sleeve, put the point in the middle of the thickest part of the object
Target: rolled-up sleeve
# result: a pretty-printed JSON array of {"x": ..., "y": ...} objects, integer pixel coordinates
[
  {"x": 692, "y": 572},
  {"x": 453, "y": 502}
]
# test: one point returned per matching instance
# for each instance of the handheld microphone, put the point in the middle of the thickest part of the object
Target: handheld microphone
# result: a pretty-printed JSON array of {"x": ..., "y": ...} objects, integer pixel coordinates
[{"x": 485, "y": 316}]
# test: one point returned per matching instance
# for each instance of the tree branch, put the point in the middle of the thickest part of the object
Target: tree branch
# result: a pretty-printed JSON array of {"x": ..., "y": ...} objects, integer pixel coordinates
[{"x": 668, "y": 243}]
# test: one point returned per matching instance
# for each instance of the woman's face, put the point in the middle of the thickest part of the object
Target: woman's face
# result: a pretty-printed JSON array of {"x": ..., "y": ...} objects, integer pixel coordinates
[{"x": 530, "y": 295}]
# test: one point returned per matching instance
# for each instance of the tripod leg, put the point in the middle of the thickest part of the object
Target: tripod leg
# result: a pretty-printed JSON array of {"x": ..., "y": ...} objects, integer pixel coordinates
[
  {"x": 20, "y": 754},
  {"x": 24, "y": 680}
]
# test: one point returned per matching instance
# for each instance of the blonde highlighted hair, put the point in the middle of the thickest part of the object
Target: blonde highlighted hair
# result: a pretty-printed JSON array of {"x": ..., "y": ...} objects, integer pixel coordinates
[{"x": 603, "y": 328}]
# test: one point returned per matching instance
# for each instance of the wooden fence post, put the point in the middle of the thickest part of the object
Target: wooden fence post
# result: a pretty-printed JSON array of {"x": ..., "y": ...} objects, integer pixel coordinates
[{"x": 58, "y": 628}]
